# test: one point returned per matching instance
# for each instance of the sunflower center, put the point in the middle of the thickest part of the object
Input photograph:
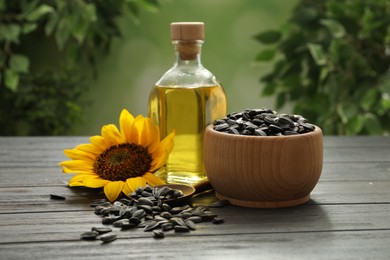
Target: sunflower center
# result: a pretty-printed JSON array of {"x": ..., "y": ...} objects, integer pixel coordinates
[{"x": 122, "y": 161}]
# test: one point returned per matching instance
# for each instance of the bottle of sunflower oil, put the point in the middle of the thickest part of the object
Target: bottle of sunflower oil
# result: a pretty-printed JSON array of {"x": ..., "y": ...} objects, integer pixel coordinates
[{"x": 187, "y": 98}]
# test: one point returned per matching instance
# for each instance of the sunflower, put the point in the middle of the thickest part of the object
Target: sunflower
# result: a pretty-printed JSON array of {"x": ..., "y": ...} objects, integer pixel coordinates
[{"x": 120, "y": 160}]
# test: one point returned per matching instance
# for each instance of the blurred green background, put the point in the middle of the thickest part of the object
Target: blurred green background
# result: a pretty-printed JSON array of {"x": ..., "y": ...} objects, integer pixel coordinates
[
  {"x": 138, "y": 59},
  {"x": 69, "y": 67}
]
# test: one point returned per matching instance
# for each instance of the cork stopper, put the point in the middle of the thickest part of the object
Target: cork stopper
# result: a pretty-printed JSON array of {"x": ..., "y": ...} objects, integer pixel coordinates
[
  {"x": 187, "y": 31},
  {"x": 188, "y": 35}
]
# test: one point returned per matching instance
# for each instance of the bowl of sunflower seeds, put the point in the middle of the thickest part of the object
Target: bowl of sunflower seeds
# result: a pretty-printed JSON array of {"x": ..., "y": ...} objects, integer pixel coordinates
[{"x": 259, "y": 158}]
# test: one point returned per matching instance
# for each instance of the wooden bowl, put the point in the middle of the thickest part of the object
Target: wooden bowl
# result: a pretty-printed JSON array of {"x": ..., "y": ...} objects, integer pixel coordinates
[{"x": 263, "y": 171}]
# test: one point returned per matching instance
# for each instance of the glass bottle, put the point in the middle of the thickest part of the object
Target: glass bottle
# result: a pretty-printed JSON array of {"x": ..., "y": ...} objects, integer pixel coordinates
[{"x": 186, "y": 99}]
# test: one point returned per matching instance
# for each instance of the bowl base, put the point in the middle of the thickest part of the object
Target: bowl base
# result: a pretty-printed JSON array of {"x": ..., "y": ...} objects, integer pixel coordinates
[{"x": 264, "y": 204}]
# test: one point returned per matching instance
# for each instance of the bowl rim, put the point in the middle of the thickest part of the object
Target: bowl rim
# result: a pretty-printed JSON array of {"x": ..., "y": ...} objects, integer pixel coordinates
[{"x": 317, "y": 130}]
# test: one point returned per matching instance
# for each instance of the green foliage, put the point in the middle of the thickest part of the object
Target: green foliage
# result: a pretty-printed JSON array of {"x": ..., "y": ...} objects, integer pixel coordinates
[
  {"x": 333, "y": 60},
  {"x": 49, "y": 102}
]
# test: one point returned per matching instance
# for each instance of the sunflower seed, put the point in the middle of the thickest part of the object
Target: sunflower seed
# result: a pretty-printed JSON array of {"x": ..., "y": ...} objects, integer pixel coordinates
[
  {"x": 147, "y": 212},
  {"x": 101, "y": 230},
  {"x": 176, "y": 210},
  {"x": 145, "y": 201},
  {"x": 99, "y": 202},
  {"x": 106, "y": 238},
  {"x": 134, "y": 220},
  {"x": 57, "y": 197},
  {"x": 126, "y": 226},
  {"x": 120, "y": 222},
  {"x": 148, "y": 209},
  {"x": 146, "y": 223},
  {"x": 126, "y": 201},
  {"x": 262, "y": 122},
  {"x": 109, "y": 219},
  {"x": 181, "y": 229},
  {"x": 195, "y": 219},
  {"x": 217, "y": 220},
  {"x": 89, "y": 235},
  {"x": 139, "y": 214},
  {"x": 219, "y": 204},
  {"x": 166, "y": 207},
  {"x": 151, "y": 226},
  {"x": 158, "y": 234},
  {"x": 190, "y": 224},
  {"x": 167, "y": 226},
  {"x": 166, "y": 215},
  {"x": 177, "y": 221}
]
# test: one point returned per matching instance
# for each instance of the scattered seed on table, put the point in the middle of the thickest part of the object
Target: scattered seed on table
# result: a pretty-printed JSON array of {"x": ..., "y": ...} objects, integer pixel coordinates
[
  {"x": 101, "y": 230},
  {"x": 146, "y": 209},
  {"x": 89, "y": 235},
  {"x": 108, "y": 237},
  {"x": 57, "y": 197},
  {"x": 181, "y": 229},
  {"x": 217, "y": 220},
  {"x": 219, "y": 204},
  {"x": 158, "y": 234}
]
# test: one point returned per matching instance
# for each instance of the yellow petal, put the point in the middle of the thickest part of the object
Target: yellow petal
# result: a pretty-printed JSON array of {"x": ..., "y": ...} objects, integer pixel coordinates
[
  {"x": 167, "y": 142},
  {"x": 77, "y": 165},
  {"x": 94, "y": 181},
  {"x": 111, "y": 135},
  {"x": 125, "y": 122},
  {"x": 137, "y": 128},
  {"x": 80, "y": 155},
  {"x": 152, "y": 179},
  {"x": 133, "y": 183},
  {"x": 161, "y": 153},
  {"x": 150, "y": 136},
  {"x": 89, "y": 148},
  {"x": 76, "y": 180},
  {"x": 113, "y": 189},
  {"x": 66, "y": 170},
  {"x": 99, "y": 142}
]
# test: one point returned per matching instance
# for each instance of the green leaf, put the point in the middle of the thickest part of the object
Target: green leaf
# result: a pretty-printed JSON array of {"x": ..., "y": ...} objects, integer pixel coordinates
[
  {"x": 10, "y": 32},
  {"x": 323, "y": 75},
  {"x": 305, "y": 14},
  {"x": 268, "y": 37},
  {"x": 3, "y": 5},
  {"x": 336, "y": 28},
  {"x": 384, "y": 104},
  {"x": 372, "y": 124},
  {"x": 51, "y": 24},
  {"x": 369, "y": 99},
  {"x": 28, "y": 6},
  {"x": 346, "y": 111},
  {"x": 91, "y": 12},
  {"x": 39, "y": 12},
  {"x": 149, "y": 5},
  {"x": 29, "y": 27},
  {"x": 385, "y": 85},
  {"x": 317, "y": 52},
  {"x": 11, "y": 79},
  {"x": 269, "y": 90},
  {"x": 354, "y": 125},
  {"x": 19, "y": 63},
  {"x": 265, "y": 55},
  {"x": 280, "y": 100},
  {"x": 62, "y": 33},
  {"x": 133, "y": 8}
]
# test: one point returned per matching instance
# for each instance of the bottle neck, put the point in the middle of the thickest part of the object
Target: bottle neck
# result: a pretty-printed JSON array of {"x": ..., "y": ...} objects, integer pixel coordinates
[{"x": 188, "y": 53}]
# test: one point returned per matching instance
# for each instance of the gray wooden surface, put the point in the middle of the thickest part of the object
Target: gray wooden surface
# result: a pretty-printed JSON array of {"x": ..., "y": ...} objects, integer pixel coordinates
[{"x": 348, "y": 216}]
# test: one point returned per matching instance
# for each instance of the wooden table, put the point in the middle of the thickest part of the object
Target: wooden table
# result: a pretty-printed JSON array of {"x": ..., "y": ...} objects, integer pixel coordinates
[{"x": 348, "y": 216}]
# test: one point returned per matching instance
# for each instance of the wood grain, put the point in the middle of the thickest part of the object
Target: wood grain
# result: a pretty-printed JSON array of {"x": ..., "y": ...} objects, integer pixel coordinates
[{"x": 346, "y": 218}]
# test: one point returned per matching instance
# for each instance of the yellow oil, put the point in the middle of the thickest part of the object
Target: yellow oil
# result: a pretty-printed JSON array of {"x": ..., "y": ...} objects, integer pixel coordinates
[{"x": 187, "y": 110}]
